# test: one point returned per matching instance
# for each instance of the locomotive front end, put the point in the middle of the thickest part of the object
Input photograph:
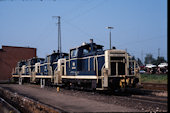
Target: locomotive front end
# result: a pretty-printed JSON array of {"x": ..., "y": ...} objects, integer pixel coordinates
[{"x": 117, "y": 71}]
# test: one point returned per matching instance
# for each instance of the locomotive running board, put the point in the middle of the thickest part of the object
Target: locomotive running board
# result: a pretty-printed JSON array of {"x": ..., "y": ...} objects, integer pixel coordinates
[
  {"x": 15, "y": 75},
  {"x": 44, "y": 76},
  {"x": 79, "y": 77},
  {"x": 101, "y": 89}
]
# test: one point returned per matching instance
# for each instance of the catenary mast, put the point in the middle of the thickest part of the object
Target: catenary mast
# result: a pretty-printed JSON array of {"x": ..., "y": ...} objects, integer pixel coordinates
[{"x": 59, "y": 33}]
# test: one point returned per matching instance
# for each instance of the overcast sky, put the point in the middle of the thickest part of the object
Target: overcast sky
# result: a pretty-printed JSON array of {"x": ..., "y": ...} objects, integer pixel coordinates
[{"x": 140, "y": 26}]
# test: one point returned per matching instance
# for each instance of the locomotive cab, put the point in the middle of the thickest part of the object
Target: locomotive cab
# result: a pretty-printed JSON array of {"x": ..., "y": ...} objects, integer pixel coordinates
[
  {"x": 83, "y": 59},
  {"x": 33, "y": 67},
  {"x": 38, "y": 63},
  {"x": 19, "y": 69},
  {"x": 54, "y": 59}
]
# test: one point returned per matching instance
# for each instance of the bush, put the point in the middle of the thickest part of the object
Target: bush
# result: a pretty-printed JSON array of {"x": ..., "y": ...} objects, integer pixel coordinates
[{"x": 154, "y": 78}]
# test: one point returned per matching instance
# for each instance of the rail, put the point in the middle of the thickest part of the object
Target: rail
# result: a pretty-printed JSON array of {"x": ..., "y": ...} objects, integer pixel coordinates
[{"x": 154, "y": 86}]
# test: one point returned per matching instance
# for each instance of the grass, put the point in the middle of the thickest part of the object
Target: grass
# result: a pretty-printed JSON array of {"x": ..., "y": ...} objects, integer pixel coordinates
[{"x": 154, "y": 78}]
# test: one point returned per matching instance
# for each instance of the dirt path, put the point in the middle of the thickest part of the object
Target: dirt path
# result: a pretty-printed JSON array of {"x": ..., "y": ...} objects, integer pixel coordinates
[{"x": 65, "y": 102}]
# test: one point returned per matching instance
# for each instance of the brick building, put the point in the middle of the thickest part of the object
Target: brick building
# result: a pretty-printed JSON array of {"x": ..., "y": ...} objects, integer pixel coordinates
[{"x": 10, "y": 55}]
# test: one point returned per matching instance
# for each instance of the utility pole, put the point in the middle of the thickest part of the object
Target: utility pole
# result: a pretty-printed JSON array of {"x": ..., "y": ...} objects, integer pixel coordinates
[
  {"x": 59, "y": 33},
  {"x": 158, "y": 52},
  {"x": 110, "y": 35},
  {"x": 142, "y": 56}
]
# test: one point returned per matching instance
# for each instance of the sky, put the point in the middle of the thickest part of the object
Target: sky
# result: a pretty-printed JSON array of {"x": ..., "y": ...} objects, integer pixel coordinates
[{"x": 140, "y": 26}]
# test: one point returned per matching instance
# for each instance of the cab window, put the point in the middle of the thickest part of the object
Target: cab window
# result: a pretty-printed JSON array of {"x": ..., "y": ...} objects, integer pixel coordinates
[
  {"x": 85, "y": 51},
  {"x": 73, "y": 53}
]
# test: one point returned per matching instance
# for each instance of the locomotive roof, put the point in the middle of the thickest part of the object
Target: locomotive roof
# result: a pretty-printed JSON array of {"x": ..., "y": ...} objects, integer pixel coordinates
[
  {"x": 87, "y": 45},
  {"x": 31, "y": 59},
  {"x": 65, "y": 54},
  {"x": 36, "y": 58}
]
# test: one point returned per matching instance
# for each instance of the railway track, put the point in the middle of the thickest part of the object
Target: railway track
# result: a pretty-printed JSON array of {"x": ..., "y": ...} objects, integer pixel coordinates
[
  {"x": 143, "y": 100},
  {"x": 5, "y": 107},
  {"x": 151, "y": 99},
  {"x": 154, "y": 86}
]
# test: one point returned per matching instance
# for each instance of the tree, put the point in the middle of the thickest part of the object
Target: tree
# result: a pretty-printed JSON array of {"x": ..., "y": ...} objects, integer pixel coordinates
[
  {"x": 139, "y": 62},
  {"x": 160, "y": 60},
  {"x": 149, "y": 59}
]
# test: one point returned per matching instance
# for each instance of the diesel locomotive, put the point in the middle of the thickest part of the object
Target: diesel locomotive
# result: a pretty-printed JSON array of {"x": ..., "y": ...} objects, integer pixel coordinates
[{"x": 86, "y": 67}]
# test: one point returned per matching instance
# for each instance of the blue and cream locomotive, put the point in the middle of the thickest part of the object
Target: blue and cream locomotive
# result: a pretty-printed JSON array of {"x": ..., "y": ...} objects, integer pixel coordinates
[{"x": 87, "y": 67}]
